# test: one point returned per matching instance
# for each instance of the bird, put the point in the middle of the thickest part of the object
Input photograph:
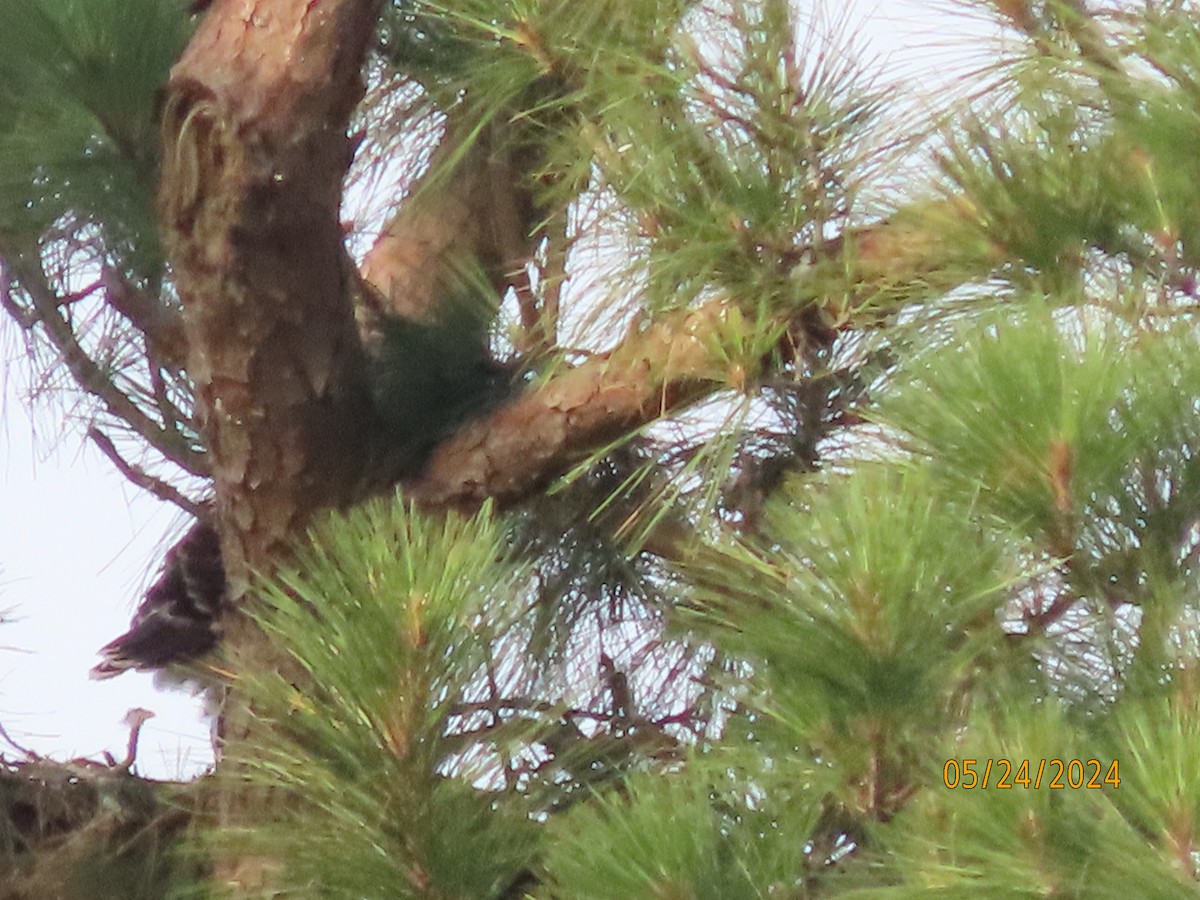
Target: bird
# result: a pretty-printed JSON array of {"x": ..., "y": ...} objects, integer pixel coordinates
[
  {"x": 178, "y": 618},
  {"x": 426, "y": 377}
]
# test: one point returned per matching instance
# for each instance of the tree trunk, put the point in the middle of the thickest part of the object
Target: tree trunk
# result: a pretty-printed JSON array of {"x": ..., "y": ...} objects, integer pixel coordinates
[{"x": 255, "y": 152}]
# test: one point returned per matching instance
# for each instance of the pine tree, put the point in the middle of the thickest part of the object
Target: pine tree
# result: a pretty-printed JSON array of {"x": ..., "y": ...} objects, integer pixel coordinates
[{"x": 668, "y": 503}]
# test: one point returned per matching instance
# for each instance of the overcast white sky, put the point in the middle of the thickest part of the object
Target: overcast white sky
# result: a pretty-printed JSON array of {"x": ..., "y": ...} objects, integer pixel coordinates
[{"x": 78, "y": 543}]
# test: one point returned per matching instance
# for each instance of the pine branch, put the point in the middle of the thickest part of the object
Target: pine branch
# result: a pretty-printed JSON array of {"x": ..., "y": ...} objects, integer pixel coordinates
[
  {"x": 473, "y": 208},
  {"x": 515, "y": 449},
  {"x": 520, "y": 446}
]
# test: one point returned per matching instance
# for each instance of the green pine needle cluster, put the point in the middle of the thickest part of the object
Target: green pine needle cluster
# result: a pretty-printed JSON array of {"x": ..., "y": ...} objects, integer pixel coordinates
[
  {"x": 712, "y": 832},
  {"x": 389, "y": 619},
  {"x": 729, "y": 158},
  {"x": 78, "y": 125}
]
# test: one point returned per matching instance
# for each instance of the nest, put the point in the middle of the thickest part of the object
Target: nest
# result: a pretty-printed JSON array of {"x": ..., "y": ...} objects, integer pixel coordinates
[{"x": 90, "y": 829}]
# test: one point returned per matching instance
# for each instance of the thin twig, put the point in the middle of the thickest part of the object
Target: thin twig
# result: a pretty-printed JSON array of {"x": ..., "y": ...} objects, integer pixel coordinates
[
  {"x": 172, "y": 415},
  {"x": 135, "y": 719},
  {"x": 140, "y": 477},
  {"x": 162, "y": 326}
]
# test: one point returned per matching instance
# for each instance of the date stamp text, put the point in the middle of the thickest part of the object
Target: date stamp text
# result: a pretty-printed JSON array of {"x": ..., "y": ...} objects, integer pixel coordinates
[{"x": 1053, "y": 774}]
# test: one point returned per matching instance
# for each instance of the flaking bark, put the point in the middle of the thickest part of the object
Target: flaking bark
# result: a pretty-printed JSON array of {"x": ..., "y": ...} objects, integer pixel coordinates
[
  {"x": 255, "y": 154},
  {"x": 254, "y": 158}
]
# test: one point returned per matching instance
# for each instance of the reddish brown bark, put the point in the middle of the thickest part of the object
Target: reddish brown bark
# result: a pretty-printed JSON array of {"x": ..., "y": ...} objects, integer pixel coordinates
[
  {"x": 515, "y": 449},
  {"x": 480, "y": 213},
  {"x": 254, "y": 158}
]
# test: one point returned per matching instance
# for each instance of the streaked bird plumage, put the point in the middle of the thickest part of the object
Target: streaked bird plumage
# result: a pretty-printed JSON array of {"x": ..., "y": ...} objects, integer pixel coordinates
[{"x": 177, "y": 620}]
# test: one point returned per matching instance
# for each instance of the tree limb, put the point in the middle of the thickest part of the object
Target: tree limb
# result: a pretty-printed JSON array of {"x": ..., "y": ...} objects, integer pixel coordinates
[
  {"x": 474, "y": 211},
  {"x": 255, "y": 152},
  {"x": 518, "y": 447}
]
